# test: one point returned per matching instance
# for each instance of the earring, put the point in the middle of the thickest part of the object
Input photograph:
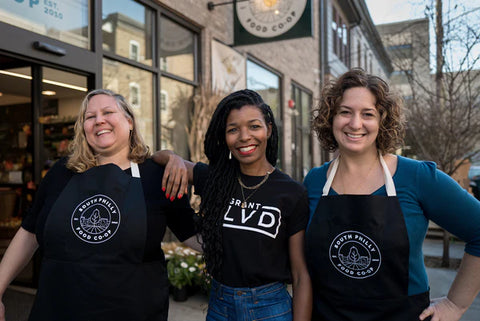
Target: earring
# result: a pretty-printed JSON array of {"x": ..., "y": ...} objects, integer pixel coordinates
[{"x": 230, "y": 155}]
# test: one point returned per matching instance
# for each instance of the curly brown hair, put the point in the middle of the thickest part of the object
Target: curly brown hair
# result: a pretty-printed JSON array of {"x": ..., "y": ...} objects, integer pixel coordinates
[{"x": 392, "y": 122}]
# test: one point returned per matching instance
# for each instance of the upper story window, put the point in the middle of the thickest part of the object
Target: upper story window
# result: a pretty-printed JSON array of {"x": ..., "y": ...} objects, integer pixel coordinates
[
  {"x": 340, "y": 36},
  {"x": 401, "y": 51},
  {"x": 359, "y": 54}
]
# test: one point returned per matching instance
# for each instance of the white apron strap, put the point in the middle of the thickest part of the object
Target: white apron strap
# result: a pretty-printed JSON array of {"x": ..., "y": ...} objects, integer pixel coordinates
[
  {"x": 330, "y": 177},
  {"x": 389, "y": 185},
  {"x": 134, "y": 169}
]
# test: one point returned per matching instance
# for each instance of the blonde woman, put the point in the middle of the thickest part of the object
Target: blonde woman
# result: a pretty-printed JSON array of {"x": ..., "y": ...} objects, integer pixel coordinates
[{"x": 99, "y": 220}]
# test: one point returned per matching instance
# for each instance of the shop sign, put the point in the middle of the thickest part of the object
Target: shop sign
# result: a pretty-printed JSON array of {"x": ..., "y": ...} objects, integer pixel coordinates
[{"x": 258, "y": 21}]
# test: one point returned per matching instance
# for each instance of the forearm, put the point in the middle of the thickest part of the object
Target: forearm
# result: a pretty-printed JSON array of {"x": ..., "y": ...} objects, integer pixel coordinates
[
  {"x": 18, "y": 254},
  {"x": 162, "y": 156},
  {"x": 302, "y": 298},
  {"x": 466, "y": 285},
  {"x": 301, "y": 283}
]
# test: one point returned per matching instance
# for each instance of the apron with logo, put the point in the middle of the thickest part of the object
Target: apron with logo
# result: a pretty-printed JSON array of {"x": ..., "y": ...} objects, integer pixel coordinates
[
  {"x": 93, "y": 266},
  {"x": 357, "y": 250}
]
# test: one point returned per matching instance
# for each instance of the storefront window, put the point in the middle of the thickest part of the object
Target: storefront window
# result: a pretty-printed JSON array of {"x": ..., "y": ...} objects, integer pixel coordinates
[
  {"x": 177, "y": 49},
  {"x": 136, "y": 86},
  {"x": 302, "y": 158},
  {"x": 176, "y": 99},
  {"x": 67, "y": 21},
  {"x": 306, "y": 107},
  {"x": 127, "y": 29},
  {"x": 267, "y": 84}
]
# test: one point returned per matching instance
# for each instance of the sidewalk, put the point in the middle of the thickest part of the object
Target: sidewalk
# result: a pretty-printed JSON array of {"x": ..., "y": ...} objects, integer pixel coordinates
[
  {"x": 18, "y": 302},
  {"x": 194, "y": 308}
]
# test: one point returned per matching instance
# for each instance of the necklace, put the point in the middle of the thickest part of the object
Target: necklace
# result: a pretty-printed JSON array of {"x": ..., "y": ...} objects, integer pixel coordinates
[{"x": 254, "y": 188}]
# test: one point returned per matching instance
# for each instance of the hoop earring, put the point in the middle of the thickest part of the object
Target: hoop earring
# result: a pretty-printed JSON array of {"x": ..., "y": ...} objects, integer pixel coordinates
[{"x": 230, "y": 155}]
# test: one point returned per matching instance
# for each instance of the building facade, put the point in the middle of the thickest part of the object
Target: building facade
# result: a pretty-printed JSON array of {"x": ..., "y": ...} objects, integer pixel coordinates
[
  {"x": 159, "y": 54},
  {"x": 408, "y": 45}
]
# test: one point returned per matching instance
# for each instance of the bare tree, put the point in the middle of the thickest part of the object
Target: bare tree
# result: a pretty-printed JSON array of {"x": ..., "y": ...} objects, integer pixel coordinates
[{"x": 443, "y": 108}]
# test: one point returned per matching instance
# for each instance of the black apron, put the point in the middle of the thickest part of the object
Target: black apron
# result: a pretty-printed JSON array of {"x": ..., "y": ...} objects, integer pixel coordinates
[
  {"x": 93, "y": 266},
  {"x": 357, "y": 251}
]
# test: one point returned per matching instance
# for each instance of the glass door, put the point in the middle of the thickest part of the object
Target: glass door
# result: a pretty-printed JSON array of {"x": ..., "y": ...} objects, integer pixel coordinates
[
  {"x": 16, "y": 141},
  {"x": 38, "y": 108}
]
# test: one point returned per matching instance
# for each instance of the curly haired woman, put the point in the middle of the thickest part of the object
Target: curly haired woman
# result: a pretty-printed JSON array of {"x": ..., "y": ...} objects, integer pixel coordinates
[{"x": 370, "y": 211}]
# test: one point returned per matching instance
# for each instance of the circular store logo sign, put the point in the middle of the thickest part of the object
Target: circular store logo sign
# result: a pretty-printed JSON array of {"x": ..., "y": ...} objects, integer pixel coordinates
[
  {"x": 96, "y": 219},
  {"x": 355, "y": 255},
  {"x": 269, "y": 18}
]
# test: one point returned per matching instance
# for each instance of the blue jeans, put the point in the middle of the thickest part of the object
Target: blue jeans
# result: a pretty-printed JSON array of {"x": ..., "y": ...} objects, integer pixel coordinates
[{"x": 267, "y": 302}]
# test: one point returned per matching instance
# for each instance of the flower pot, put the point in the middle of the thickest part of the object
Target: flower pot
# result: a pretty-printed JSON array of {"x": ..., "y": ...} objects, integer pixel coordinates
[{"x": 180, "y": 294}]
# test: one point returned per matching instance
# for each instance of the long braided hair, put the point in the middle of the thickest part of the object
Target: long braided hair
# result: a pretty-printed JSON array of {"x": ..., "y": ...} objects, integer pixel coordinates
[{"x": 223, "y": 172}]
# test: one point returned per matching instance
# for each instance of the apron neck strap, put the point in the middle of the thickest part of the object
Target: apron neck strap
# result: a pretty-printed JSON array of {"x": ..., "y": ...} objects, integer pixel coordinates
[
  {"x": 328, "y": 183},
  {"x": 134, "y": 169},
  {"x": 389, "y": 185}
]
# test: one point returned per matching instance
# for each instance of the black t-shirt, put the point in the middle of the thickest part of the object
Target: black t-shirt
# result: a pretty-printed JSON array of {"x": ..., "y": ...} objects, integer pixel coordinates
[
  {"x": 161, "y": 212},
  {"x": 255, "y": 239}
]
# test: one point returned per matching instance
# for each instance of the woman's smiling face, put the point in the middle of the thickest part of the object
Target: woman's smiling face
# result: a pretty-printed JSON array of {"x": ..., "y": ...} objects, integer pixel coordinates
[
  {"x": 107, "y": 128},
  {"x": 357, "y": 120},
  {"x": 246, "y": 135}
]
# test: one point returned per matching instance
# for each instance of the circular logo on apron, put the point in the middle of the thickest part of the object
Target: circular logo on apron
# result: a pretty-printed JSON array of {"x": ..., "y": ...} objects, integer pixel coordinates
[
  {"x": 355, "y": 255},
  {"x": 96, "y": 219}
]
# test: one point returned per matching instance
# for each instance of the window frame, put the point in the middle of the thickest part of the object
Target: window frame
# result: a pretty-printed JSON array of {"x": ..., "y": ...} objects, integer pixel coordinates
[{"x": 279, "y": 118}]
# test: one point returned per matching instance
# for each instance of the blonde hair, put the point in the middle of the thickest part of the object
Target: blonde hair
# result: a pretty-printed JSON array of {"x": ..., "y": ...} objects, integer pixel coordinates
[{"x": 82, "y": 157}]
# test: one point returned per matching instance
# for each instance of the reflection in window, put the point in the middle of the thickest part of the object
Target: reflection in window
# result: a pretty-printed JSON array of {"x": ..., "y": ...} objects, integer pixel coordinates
[
  {"x": 67, "y": 21},
  {"x": 120, "y": 77},
  {"x": 177, "y": 46},
  {"x": 134, "y": 95},
  {"x": 127, "y": 29},
  {"x": 267, "y": 84},
  {"x": 174, "y": 115},
  {"x": 163, "y": 99},
  {"x": 163, "y": 64},
  {"x": 134, "y": 49}
]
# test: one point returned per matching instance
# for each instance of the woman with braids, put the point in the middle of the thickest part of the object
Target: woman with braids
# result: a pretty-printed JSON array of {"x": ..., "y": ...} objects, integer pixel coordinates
[
  {"x": 252, "y": 216},
  {"x": 99, "y": 219},
  {"x": 370, "y": 211}
]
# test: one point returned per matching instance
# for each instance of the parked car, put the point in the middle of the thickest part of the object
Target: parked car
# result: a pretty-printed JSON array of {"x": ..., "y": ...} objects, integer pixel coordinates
[
  {"x": 474, "y": 176},
  {"x": 474, "y": 171}
]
